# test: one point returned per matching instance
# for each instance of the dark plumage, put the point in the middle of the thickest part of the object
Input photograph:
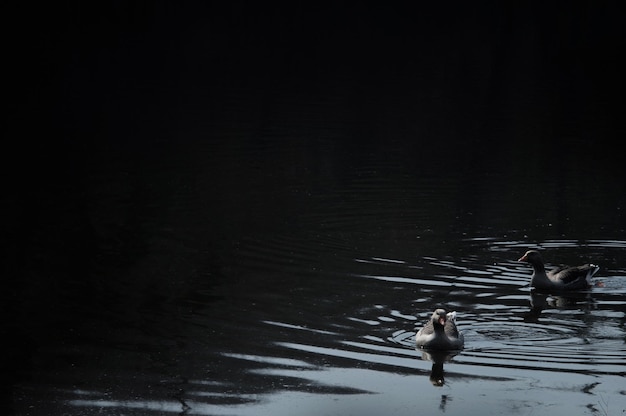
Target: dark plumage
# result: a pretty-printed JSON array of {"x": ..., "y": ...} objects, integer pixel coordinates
[
  {"x": 440, "y": 332},
  {"x": 562, "y": 278}
]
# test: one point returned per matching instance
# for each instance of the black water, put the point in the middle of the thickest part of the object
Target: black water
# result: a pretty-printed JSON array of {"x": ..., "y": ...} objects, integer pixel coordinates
[{"x": 227, "y": 211}]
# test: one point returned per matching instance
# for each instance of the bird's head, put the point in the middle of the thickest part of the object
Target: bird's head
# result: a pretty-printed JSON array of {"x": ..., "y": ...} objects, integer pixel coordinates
[
  {"x": 532, "y": 257},
  {"x": 439, "y": 317}
]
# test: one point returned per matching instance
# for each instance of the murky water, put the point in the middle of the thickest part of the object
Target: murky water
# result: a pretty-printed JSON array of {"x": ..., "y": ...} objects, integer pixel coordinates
[
  {"x": 240, "y": 222},
  {"x": 314, "y": 310}
]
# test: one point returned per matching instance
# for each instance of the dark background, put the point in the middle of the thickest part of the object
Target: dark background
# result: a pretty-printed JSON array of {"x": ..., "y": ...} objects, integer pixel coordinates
[{"x": 108, "y": 104}]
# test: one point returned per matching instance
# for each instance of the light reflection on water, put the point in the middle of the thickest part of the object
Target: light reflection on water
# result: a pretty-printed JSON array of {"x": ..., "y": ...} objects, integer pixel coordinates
[
  {"x": 523, "y": 350},
  {"x": 257, "y": 242},
  {"x": 515, "y": 338}
]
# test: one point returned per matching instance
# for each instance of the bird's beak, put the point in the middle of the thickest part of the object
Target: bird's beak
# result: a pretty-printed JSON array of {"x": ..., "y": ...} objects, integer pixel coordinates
[
  {"x": 442, "y": 321},
  {"x": 523, "y": 258}
]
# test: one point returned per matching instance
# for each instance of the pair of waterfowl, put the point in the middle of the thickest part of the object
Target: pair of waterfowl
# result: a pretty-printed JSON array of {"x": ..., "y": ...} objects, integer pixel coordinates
[{"x": 441, "y": 333}]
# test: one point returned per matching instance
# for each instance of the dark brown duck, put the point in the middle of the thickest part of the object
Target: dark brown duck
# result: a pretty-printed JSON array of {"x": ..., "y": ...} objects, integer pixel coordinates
[{"x": 561, "y": 279}]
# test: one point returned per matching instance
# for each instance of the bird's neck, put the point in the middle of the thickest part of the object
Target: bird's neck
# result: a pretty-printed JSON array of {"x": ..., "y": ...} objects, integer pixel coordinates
[{"x": 539, "y": 268}]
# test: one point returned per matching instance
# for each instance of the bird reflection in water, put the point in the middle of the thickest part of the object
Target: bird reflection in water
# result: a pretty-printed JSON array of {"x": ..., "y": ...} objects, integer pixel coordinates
[
  {"x": 540, "y": 301},
  {"x": 437, "y": 358}
]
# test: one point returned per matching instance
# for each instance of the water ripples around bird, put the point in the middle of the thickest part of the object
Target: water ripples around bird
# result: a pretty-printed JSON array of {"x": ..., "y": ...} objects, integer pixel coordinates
[
  {"x": 365, "y": 314},
  {"x": 317, "y": 318}
]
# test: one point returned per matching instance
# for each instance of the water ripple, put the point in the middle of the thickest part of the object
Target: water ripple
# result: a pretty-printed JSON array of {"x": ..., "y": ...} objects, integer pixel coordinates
[
  {"x": 512, "y": 334},
  {"x": 505, "y": 325}
]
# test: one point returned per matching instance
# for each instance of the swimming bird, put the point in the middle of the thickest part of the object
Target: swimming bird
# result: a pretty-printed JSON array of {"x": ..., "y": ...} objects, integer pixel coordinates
[
  {"x": 440, "y": 332},
  {"x": 562, "y": 278}
]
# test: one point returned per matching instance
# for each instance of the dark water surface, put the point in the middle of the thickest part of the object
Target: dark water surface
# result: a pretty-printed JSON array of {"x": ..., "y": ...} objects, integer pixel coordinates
[
  {"x": 301, "y": 293},
  {"x": 214, "y": 240}
]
